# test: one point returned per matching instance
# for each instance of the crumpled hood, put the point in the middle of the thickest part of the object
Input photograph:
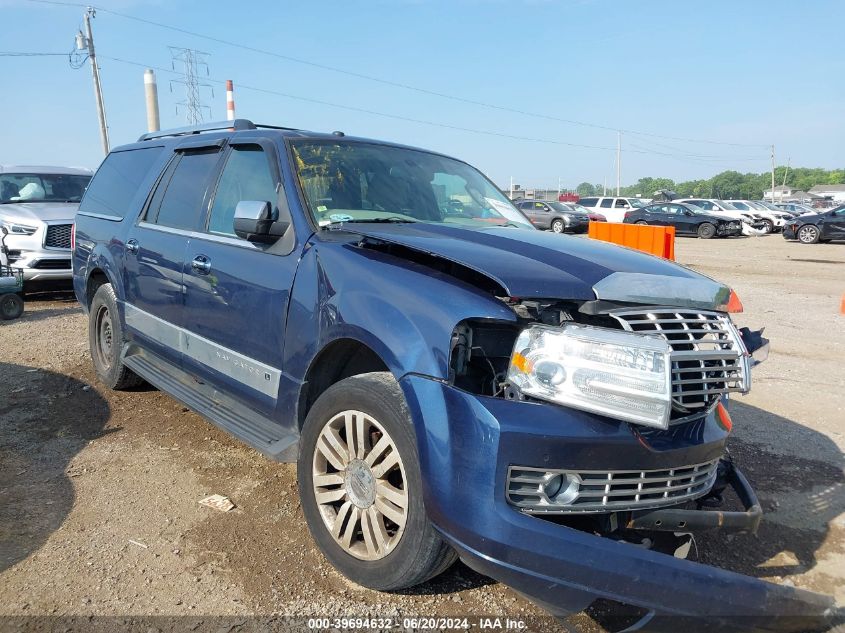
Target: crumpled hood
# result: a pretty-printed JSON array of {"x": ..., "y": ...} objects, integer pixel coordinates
[
  {"x": 538, "y": 264},
  {"x": 28, "y": 212}
]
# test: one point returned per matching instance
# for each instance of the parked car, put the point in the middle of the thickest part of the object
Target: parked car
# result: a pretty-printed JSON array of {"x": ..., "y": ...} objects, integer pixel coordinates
[
  {"x": 37, "y": 207},
  {"x": 448, "y": 387},
  {"x": 687, "y": 220},
  {"x": 612, "y": 208},
  {"x": 796, "y": 208},
  {"x": 558, "y": 217},
  {"x": 726, "y": 209},
  {"x": 594, "y": 215},
  {"x": 774, "y": 220},
  {"x": 822, "y": 226}
]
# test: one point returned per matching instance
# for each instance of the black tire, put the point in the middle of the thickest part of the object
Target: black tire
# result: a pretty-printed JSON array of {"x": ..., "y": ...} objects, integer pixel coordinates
[
  {"x": 642, "y": 222},
  {"x": 706, "y": 231},
  {"x": 808, "y": 234},
  {"x": 558, "y": 226},
  {"x": 769, "y": 226},
  {"x": 105, "y": 340},
  {"x": 11, "y": 306},
  {"x": 420, "y": 553}
]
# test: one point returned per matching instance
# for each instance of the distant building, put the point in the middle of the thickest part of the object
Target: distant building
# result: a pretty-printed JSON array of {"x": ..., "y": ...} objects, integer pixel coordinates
[
  {"x": 788, "y": 194},
  {"x": 835, "y": 193}
]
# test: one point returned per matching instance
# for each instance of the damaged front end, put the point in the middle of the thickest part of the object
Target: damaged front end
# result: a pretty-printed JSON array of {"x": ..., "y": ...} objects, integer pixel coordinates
[{"x": 616, "y": 497}]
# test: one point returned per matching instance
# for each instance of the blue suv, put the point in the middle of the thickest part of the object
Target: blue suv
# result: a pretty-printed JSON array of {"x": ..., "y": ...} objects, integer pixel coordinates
[{"x": 450, "y": 381}]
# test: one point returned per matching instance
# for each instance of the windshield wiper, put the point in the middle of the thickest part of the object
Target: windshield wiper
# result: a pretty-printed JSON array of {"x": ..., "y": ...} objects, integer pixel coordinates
[{"x": 390, "y": 220}]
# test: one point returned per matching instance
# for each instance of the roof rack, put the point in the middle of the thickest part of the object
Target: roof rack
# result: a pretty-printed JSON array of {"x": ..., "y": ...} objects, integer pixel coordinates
[{"x": 236, "y": 125}]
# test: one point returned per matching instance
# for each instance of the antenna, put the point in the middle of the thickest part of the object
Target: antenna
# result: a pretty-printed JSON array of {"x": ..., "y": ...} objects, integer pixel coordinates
[{"x": 190, "y": 61}]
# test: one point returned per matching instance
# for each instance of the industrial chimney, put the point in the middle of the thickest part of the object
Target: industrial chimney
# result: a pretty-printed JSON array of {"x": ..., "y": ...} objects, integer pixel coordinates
[
  {"x": 230, "y": 101},
  {"x": 151, "y": 93}
]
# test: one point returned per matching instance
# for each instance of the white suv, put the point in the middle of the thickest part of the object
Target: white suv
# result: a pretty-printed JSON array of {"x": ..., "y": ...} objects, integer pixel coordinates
[
  {"x": 613, "y": 209},
  {"x": 38, "y": 206}
]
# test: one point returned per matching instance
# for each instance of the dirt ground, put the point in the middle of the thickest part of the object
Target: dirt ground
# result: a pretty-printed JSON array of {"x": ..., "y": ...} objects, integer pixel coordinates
[{"x": 99, "y": 490}]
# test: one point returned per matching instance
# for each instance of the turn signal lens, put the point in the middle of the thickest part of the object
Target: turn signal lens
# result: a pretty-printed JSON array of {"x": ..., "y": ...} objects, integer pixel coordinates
[
  {"x": 723, "y": 417},
  {"x": 734, "y": 304}
]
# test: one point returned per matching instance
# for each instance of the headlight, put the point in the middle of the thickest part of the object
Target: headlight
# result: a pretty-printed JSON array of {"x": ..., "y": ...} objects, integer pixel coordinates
[
  {"x": 619, "y": 374},
  {"x": 19, "y": 229}
]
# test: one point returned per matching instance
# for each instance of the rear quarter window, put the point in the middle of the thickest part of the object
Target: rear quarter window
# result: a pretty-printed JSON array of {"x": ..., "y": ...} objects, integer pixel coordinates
[{"x": 117, "y": 180}]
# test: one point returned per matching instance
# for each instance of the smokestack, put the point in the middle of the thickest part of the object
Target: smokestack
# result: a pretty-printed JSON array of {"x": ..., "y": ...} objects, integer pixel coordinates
[
  {"x": 151, "y": 93},
  {"x": 230, "y": 101}
]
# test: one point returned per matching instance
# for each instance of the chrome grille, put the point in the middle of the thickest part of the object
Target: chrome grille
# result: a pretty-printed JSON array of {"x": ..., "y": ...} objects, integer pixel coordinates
[
  {"x": 57, "y": 236},
  {"x": 708, "y": 357},
  {"x": 609, "y": 491}
]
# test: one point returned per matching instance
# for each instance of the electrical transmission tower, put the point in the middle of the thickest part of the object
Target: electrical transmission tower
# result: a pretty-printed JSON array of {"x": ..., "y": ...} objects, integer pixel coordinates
[{"x": 191, "y": 60}]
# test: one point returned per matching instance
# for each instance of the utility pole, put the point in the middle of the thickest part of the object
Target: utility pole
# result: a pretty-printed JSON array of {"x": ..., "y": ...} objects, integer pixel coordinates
[
  {"x": 511, "y": 189},
  {"x": 773, "y": 174},
  {"x": 786, "y": 173},
  {"x": 618, "y": 162},
  {"x": 86, "y": 42}
]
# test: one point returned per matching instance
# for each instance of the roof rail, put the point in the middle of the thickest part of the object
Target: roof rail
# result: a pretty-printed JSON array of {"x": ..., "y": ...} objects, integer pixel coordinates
[{"x": 237, "y": 124}]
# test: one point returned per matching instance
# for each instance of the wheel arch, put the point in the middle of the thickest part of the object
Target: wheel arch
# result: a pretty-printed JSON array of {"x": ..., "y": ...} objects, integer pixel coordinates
[{"x": 339, "y": 359}]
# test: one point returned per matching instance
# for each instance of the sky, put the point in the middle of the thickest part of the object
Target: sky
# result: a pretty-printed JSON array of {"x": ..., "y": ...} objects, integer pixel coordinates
[{"x": 528, "y": 90}]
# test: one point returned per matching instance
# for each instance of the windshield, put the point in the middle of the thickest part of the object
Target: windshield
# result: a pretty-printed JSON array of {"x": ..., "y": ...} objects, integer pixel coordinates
[
  {"x": 582, "y": 209},
  {"x": 742, "y": 206},
  {"x": 636, "y": 203},
  {"x": 347, "y": 181},
  {"x": 726, "y": 205},
  {"x": 42, "y": 187},
  {"x": 564, "y": 208}
]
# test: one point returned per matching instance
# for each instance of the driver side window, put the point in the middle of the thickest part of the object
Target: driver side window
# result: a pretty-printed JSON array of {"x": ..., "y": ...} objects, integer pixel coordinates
[{"x": 246, "y": 176}]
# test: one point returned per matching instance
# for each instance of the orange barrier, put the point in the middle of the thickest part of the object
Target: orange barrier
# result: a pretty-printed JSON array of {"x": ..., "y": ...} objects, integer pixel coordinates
[{"x": 655, "y": 240}]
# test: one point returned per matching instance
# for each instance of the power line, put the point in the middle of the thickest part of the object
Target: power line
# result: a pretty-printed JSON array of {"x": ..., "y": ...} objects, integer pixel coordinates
[
  {"x": 25, "y": 54},
  {"x": 397, "y": 84},
  {"x": 399, "y": 117}
]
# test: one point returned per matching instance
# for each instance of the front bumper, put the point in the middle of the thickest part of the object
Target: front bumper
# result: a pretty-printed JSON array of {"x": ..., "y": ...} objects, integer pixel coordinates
[
  {"x": 39, "y": 262},
  {"x": 789, "y": 232},
  {"x": 466, "y": 443}
]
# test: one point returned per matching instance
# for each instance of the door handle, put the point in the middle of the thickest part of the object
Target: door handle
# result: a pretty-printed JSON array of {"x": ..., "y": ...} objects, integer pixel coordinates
[
  {"x": 132, "y": 246},
  {"x": 201, "y": 264}
]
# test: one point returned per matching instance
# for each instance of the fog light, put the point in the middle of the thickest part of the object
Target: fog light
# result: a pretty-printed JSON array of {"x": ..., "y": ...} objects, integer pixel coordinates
[{"x": 561, "y": 488}]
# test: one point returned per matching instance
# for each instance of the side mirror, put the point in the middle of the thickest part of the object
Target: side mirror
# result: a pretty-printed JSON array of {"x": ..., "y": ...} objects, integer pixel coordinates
[
  {"x": 4, "y": 230},
  {"x": 256, "y": 221},
  {"x": 688, "y": 213}
]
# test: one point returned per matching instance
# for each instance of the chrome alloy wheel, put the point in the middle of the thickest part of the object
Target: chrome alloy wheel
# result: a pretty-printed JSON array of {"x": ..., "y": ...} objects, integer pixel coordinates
[
  {"x": 807, "y": 234},
  {"x": 360, "y": 485}
]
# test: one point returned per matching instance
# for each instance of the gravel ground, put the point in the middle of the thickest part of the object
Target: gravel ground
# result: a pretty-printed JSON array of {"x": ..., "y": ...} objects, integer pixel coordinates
[{"x": 99, "y": 490}]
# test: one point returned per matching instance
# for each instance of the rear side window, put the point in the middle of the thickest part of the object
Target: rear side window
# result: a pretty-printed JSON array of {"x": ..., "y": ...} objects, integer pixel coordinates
[
  {"x": 117, "y": 180},
  {"x": 588, "y": 202},
  {"x": 246, "y": 176},
  {"x": 607, "y": 203},
  {"x": 182, "y": 203}
]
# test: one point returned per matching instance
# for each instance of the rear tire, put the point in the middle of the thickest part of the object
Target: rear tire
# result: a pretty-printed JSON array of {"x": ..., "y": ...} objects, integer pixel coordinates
[
  {"x": 360, "y": 523},
  {"x": 11, "y": 306},
  {"x": 643, "y": 222},
  {"x": 558, "y": 226},
  {"x": 808, "y": 234},
  {"x": 706, "y": 231},
  {"x": 105, "y": 340}
]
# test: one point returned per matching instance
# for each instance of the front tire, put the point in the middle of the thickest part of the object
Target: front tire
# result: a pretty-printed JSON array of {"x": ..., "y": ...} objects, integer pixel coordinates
[
  {"x": 641, "y": 222},
  {"x": 558, "y": 226},
  {"x": 808, "y": 234},
  {"x": 706, "y": 231},
  {"x": 105, "y": 340},
  {"x": 361, "y": 487},
  {"x": 769, "y": 226}
]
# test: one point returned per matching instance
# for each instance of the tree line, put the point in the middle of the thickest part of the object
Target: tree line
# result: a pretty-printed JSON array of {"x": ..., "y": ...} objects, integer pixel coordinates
[{"x": 726, "y": 185}]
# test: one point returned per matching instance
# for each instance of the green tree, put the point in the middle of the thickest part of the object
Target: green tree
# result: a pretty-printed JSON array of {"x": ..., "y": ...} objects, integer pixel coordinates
[{"x": 585, "y": 189}]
